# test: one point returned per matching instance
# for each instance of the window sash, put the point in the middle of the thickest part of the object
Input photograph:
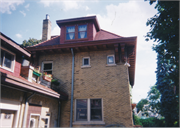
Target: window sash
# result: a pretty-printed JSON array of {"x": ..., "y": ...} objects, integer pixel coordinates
[
  {"x": 110, "y": 60},
  {"x": 82, "y": 31},
  {"x": 70, "y": 32},
  {"x": 81, "y": 110},
  {"x": 47, "y": 67}
]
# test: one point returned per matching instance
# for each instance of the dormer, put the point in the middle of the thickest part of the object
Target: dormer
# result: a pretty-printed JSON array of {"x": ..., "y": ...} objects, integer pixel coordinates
[{"x": 78, "y": 29}]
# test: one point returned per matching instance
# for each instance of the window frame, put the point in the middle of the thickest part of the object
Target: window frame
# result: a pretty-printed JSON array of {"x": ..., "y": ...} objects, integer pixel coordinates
[
  {"x": 12, "y": 61},
  {"x": 71, "y": 32},
  {"x": 89, "y": 121},
  {"x": 82, "y": 31},
  {"x": 46, "y": 62},
  {"x": 113, "y": 60},
  {"x": 83, "y": 65}
]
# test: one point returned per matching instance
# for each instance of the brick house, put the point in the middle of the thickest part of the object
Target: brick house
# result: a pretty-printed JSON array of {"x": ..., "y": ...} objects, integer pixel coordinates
[
  {"x": 24, "y": 103},
  {"x": 96, "y": 68}
]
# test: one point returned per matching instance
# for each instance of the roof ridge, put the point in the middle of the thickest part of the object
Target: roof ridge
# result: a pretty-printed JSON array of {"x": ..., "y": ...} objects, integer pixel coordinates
[
  {"x": 111, "y": 33},
  {"x": 44, "y": 41}
]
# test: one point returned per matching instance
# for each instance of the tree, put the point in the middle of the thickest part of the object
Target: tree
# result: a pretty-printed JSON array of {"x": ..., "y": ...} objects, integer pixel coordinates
[
  {"x": 165, "y": 30},
  {"x": 154, "y": 100},
  {"x": 141, "y": 104},
  {"x": 30, "y": 42}
]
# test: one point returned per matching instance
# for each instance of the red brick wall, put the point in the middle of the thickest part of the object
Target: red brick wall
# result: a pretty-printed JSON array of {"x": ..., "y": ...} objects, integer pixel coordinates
[
  {"x": 34, "y": 110},
  {"x": 17, "y": 69}
]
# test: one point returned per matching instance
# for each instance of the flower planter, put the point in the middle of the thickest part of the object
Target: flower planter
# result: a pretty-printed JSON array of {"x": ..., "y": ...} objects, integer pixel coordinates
[
  {"x": 47, "y": 78},
  {"x": 37, "y": 74}
]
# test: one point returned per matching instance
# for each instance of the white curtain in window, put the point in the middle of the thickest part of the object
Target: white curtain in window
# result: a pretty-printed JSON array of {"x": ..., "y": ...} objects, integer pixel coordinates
[
  {"x": 71, "y": 29},
  {"x": 82, "y": 30},
  {"x": 71, "y": 35}
]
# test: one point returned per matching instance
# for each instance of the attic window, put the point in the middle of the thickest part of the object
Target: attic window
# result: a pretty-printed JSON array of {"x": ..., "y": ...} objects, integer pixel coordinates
[
  {"x": 82, "y": 31},
  {"x": 70, "y": 33}
]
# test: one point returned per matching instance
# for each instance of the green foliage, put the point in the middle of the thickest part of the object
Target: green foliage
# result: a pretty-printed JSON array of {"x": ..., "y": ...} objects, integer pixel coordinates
[
  {"x": 154, "y": 100},
  {"x": 55, "y": 82},
  {"x": 152, "y": 122},
  {"x": 30, "y": 42},
  {"x": 165, "y": 30},
  {"x": 141, "y": 104},
  {"x": 136, "y": 120}
]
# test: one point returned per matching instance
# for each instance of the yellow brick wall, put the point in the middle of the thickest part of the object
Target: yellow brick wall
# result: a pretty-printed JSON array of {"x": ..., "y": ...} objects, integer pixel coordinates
[{"x": 110, "y": 83}]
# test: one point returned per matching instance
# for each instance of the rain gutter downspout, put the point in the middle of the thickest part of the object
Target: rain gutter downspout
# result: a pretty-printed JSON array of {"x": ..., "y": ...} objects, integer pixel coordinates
[
  {"x": 59, "y": 113},
  {"x": 26, "y": 107},
  {"x": 72, "y": 88}
]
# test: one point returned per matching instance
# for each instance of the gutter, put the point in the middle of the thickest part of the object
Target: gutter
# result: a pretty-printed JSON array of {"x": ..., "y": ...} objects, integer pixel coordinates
[
  {"x": 72, "y": 88},
  {"x": 59, "y": 113},
  {"x": 26, "y": 108}
]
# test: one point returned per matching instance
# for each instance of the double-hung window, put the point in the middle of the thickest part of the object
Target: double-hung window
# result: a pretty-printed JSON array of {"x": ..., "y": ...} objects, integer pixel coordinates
[
  {"x": 47, "y": 67},
  {"x": 7, "y": 59},
  {"x": 70, "y": 33},
  {"x": 89, "y": 110},
  {"x": 82, "y": 31}
]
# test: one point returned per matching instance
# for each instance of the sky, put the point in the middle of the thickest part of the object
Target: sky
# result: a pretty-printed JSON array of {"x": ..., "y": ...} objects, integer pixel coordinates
[{"x": 22, "y": 19}]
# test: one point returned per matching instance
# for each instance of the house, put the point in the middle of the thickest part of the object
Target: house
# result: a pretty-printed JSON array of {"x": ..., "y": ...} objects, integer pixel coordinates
[
  {"x": 95, "y": 68},
  {"x": 24, "y": 103}
]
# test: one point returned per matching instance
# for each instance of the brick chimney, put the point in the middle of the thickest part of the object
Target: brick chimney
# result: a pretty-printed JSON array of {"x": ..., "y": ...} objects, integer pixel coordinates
[{"x": 46, "y": 31}]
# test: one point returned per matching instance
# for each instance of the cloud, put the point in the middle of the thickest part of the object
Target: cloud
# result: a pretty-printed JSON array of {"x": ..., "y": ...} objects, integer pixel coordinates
[
  {"x": 6, "y": 6},
  {"x": 27, "y": 7},
  {"x": 18, "y": 35},
  {"x": 55, "y": 31},
  {"x": 67, "y": 4},
  {"x": 22, "y": 12}
]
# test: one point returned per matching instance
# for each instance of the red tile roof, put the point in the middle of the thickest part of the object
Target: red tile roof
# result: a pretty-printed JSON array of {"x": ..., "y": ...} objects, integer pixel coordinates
[{"x": 101, "y": 35}]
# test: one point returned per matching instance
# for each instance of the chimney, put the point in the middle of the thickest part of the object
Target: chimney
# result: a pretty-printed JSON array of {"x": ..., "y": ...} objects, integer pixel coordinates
[{"x": 46, "y": 31}]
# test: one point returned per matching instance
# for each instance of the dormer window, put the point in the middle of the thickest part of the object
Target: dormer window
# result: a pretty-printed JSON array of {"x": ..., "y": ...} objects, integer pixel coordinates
[
  {"x": 82, "y": 31},
  {"x": 70, "y": 33}
]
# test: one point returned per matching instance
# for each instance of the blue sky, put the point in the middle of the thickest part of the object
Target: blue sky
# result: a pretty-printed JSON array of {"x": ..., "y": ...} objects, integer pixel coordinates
[{"x": 22, "y": 19}]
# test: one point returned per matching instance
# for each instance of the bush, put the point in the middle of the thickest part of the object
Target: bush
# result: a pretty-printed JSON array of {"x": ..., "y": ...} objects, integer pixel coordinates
[
  {"x": 136, "y": 120},
  {"x": 152, "y": 122}
]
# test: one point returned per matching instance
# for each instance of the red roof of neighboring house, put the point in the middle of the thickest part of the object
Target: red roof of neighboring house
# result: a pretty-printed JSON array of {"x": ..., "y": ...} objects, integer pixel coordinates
[{"x": 22, "y": 83}]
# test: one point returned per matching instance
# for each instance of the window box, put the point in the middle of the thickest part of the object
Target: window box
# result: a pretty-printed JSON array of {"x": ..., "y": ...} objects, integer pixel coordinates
[
  {"x": 47, "y": 78},
  {"x": 37, "y": 73}
]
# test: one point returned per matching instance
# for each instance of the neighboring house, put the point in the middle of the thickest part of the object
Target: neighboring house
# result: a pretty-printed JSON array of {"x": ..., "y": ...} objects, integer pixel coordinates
[
  {"x": 146, "y": 113},
  {"x": 95, "y": 68},
  {"x": 23, "y": 102}
]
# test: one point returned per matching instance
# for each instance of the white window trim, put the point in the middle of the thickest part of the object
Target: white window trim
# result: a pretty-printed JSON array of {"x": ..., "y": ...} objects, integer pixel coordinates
[
  {"x": 85, "y": 66},
  {"x": 88, "y": 113},
  {"x": 33, "y": 114},
  {"x": 112, "y": 64},
  {"x": 13, "y": 62},
  {"x": 45, "y": 62}
]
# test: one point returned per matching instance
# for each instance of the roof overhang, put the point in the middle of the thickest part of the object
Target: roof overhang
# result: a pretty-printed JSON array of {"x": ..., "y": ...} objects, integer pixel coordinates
[
  {"x": 28, "y": 86},
  {"x": 10, "y": 43},
  {"x": 80, "y": 19},
  {"x": 124, "y": 47}
]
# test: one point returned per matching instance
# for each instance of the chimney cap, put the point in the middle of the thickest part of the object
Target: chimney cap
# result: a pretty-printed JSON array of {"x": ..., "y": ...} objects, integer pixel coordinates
[{"x": 47, "y": 16}]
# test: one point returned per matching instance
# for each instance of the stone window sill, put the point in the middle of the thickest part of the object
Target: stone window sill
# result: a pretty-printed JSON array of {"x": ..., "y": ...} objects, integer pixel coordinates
[
  {"x": 85, "y": 66},
  {"x": 88, "y": 122},
  {"x": 110, "y": 65}
]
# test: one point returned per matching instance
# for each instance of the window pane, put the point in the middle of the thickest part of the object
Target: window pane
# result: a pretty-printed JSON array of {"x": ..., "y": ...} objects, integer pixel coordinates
[
  {"x": 8, "y": 59},
  {"x": 70, "y": 33},
  {"x": 96, "y": 109},
  {"x": 110, "y": 59},
  {"x": 86, "y": 61},
  {"x": 81, "y": 110},
  {"x": 82, "y": 31},
  {"x": 48, "y": 66}
]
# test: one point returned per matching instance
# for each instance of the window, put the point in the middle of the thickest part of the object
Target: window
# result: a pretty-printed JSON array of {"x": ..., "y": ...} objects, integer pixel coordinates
[
  {"x": 70, "y": 33},
  {"x": 110, "y": 59},
  {"x": 86, "y": 61},
  {"x": 7, "y": 60},
  {"x": 89, "y": 110},
  {"x": 47, "y": 67},
  {"x": 82, "y": 31}
]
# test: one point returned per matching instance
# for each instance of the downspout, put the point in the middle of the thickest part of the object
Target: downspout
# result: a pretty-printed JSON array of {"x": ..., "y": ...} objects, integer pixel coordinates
[
  {"x": 72, "y": 88},
  {"x": 59, "y": 113},
  {"x": 26, "y": 107}
]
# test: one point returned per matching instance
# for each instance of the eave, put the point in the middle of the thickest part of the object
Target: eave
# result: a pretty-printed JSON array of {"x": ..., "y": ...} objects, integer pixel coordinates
[
  {"x": 124, "y": 48},
  {"x": 10, "y": 43}
]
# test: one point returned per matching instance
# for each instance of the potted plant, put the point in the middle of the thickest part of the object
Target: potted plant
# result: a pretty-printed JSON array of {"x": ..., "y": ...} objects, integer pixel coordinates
[
  {"x": 55, "y": 82},
  {"x": 47, "y": 77}
]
